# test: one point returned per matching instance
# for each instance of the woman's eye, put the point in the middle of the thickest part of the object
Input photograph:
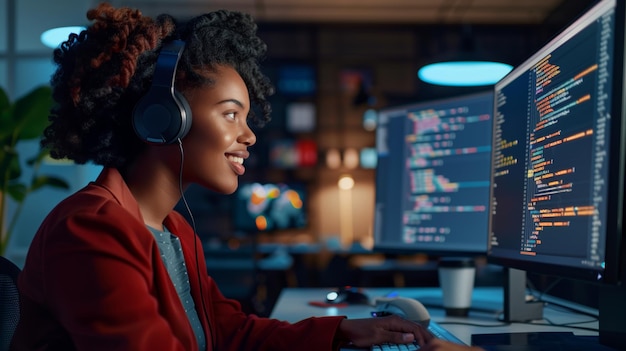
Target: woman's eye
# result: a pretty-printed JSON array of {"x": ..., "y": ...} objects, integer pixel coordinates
[{"x": 230, "y": 115}]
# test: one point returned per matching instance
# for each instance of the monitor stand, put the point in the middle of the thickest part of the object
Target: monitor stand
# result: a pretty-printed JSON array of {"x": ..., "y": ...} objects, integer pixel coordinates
[
  {"x": 612, "y": 308},
  {"x": 612, "y": 328},
  {"x": 516, "y": 307}
]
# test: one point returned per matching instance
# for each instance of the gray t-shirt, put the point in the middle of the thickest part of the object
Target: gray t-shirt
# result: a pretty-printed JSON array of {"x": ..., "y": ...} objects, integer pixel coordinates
[{"x": 172, "y": 256}]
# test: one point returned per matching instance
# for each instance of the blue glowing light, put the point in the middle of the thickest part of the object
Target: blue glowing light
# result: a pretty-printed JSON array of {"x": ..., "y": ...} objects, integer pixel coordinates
[
  {"x": 52, "y": 38},
  {"x": 464, "y": 73}
]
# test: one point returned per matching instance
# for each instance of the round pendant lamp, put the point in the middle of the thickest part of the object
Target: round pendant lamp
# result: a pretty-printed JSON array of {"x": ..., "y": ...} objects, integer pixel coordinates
[{"x": 464, "y": 65}]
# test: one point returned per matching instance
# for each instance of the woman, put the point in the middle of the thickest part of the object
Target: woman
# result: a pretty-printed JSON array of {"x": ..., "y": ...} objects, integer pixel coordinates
[{"x": 114, "y": 267}]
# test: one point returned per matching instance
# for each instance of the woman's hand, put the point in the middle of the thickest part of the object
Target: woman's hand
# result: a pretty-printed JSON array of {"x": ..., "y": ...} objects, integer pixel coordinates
[{"x": 391, "y": 329}]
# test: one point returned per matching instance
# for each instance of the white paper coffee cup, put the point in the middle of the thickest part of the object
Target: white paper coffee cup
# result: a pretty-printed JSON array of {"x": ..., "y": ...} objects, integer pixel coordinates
[{"x": 456, "y": 279}]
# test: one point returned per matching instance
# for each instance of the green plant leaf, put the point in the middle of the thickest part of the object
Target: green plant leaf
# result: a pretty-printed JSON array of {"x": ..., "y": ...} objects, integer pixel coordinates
[
  {"x": 30, "y": 113},
  {"x": 4, "y": 100},
  {"x": 42, "y": 181},
  {"x": 17, "y": 191},
  {"x": 37, "y": 159},
  {"x": 6, "y": 122},
  {"x": 25, "y": 119},
  {"x": 9, "y": 163}
]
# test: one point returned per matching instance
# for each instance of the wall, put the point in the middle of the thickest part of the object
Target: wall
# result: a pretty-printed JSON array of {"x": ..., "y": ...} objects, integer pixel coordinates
[
  {"x": 389, "y": 55},
  {"x": 24, "y": 64},
  {"x": 388, "y": 58}
]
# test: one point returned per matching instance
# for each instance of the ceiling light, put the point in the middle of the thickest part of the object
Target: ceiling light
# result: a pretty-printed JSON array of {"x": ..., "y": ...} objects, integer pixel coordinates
[
  {"x": 464, "y": 62},
  {"x": 52, "y": 38},
  {"x": 346, "y": 182},
  {"x": 333, "y": 159},
  {"x": 370, "y": 119},
  {"x": 351, "y": 158},
  {"x": 464, "y": 73}
]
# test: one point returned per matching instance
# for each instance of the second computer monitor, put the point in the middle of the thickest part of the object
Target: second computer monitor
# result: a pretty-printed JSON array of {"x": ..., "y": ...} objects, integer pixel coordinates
[
  {"x": 559, "y": 156},
  {"x": 433, "y": 176}
]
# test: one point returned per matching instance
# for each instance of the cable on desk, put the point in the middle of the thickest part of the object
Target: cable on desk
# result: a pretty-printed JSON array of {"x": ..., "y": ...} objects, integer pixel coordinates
[
  {"x": 566, "y": 325},
  {"x": 552, "y": 304}
]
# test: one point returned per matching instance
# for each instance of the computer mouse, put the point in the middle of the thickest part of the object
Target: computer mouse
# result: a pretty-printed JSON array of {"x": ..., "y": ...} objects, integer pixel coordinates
[
  {"x": 348, "y": 294},
  {"x": 405, "y": 307}
]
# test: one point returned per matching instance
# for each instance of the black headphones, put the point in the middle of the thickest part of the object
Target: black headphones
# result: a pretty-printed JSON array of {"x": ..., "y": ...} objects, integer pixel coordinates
[{"x": 163, "y": 115}]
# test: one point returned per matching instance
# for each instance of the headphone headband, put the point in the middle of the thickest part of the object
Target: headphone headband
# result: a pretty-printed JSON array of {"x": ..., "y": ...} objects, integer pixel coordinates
[
  {"x": 163, "y": 115},
  {"x": 167, "y": 63}
]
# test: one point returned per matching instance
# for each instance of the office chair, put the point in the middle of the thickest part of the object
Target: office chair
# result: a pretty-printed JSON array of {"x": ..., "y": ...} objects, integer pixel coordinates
[{"x": 9, "y": 301}]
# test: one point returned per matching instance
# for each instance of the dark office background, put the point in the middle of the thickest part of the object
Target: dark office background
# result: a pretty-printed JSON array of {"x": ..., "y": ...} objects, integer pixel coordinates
[
  {"x": 306, "y": 61},
  {"x": 313, "y": 65}
]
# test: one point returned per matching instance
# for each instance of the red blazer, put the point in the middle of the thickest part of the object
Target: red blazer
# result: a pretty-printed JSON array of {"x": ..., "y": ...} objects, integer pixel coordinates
[{"x": 94, "y": 280}]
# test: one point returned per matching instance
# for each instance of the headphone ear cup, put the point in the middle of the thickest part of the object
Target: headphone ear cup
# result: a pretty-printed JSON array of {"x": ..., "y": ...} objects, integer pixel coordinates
[{"x": 161, "y": 117}]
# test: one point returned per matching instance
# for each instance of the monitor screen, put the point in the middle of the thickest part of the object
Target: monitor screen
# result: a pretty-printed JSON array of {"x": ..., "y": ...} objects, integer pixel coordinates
[
  {"x": 558, "y": 155},
  {"x": 263, "y": 207},
  {"x": 432, "y": 176},
  {"x": 292, "y": 153}
]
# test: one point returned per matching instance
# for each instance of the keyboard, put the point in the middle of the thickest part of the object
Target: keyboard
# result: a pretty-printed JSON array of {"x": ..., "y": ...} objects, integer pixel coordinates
[{"x": 436, "y": 329}]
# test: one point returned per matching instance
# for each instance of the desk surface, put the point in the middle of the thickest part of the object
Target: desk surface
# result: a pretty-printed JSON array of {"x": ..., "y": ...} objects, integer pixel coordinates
[{"x": 293, "y": 305}]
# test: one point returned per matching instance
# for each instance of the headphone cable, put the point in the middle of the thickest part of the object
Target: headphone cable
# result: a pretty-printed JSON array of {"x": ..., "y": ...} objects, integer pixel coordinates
[{"x": 195, "y": 241}]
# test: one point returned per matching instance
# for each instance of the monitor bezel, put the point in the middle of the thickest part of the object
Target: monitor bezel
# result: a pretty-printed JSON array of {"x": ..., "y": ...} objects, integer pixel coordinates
[
  {"x": 435, "y": 252},
  {"x": 241, "y": 216},
  {"x": 614, "y": 272}
]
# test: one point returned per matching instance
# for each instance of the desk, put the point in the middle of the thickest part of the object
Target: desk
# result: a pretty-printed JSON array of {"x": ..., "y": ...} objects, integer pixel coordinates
[{"x": 292, "y": 306}]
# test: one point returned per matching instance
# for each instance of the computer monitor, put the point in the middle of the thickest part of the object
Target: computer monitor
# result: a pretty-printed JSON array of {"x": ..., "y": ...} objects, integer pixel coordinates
[
  {"x": 432, "y": 176},
  {"x": 270, "y": 207},
  {"x": 558, "y": 165}
]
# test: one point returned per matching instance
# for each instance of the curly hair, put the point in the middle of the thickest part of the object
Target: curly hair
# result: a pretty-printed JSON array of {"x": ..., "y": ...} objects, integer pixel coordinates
[{"x": 103, "y": 71}]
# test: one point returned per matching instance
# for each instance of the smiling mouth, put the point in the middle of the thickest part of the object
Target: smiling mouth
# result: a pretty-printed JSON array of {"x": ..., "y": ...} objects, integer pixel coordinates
[
  {"x": 236, "y": 163},
  {"x": 235, "y": 159}
]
